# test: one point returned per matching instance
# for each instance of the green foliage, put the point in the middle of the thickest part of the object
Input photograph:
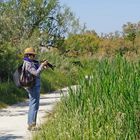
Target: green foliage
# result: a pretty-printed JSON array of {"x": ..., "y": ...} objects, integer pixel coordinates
[
  {"x": 54, "y": 80},
  {"x": 104, "y": 106},
  {"x": 64, "y": 74},
  {"x": 130, "y": 31},
  {"x": 9, "y": 94},
  {"x": 46, "y": 20},
  {"x": 7, "y": 61},
  {"x": 86, "y": 43},
  {"x": 132, "y": 36},
  {"x": 30, "y": 23}
]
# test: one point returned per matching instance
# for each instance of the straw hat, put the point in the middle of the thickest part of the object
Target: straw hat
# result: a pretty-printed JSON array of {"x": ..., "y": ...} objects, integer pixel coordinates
[{"x": 29, "y": 50}]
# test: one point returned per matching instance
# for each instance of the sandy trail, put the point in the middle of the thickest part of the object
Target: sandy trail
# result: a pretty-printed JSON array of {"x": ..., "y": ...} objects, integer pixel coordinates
[{"x": 13, "y": 120}]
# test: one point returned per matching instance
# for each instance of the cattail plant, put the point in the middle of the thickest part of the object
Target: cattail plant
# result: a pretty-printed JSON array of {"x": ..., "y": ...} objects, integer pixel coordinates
[{"x": 106, "y": 105}]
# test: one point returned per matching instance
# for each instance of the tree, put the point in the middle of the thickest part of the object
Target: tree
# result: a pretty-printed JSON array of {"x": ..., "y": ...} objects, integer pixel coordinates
[
  {"x": 86, "y": 43},
  {"x": 34, "y": 23},
  {"x": 129, "y": 30},
  {"x": 47, "y": 19}
]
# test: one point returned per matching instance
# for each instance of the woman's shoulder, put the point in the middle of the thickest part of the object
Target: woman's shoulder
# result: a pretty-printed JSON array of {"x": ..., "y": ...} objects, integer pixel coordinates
[{"x": 27, "y": 63}]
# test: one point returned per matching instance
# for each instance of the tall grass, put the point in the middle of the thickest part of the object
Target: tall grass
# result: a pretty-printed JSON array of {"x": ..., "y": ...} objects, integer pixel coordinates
[{"x": 106, "y": 106}]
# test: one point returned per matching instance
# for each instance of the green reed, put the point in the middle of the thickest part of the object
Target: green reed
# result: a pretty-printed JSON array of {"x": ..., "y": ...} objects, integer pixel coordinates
[{"x": 105, "y": 106}]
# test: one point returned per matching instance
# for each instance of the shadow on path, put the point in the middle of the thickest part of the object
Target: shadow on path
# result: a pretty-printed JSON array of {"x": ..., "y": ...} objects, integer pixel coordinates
[{"x": 10, "y": 137}]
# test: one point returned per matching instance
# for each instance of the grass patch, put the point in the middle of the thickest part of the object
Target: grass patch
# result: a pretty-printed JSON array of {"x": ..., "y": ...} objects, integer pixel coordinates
[{"x": 10, "y": 94}]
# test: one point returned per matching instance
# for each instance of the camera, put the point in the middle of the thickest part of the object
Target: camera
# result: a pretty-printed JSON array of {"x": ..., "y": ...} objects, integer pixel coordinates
[{"x": 49, "y": 65}]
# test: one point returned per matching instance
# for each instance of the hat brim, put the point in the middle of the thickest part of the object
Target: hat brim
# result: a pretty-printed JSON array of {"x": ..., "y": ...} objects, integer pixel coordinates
[{"x": 30, "y": 53}]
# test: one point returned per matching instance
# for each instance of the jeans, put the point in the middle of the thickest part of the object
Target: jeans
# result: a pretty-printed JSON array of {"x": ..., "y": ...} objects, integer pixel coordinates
[{"x": 34, "y": 97}]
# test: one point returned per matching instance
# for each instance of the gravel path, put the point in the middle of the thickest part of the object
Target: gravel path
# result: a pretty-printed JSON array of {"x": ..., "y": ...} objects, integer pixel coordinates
[{"x": 13, "y": 120}]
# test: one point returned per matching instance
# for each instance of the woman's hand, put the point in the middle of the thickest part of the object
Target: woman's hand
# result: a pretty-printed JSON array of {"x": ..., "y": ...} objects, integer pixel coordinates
[{"x": 45, "y": 63}]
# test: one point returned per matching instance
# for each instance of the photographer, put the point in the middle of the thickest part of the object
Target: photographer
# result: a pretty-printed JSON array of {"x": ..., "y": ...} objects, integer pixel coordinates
[{"x": 34, "y": 68}]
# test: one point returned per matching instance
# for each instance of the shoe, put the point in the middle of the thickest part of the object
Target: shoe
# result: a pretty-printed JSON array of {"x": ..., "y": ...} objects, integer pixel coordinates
[
  {"x": 31, "y": 126},
  {"x": 35, "y": 128}
]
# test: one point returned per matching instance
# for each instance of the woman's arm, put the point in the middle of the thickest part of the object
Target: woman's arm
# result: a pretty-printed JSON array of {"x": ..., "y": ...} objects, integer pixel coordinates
[{"x": 31, "y": 68}]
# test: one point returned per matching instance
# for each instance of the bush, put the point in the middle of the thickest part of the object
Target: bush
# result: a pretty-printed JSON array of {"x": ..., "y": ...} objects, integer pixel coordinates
[
  {"x": 8, "y": 61},
  {"x": 9, "y": 94}
]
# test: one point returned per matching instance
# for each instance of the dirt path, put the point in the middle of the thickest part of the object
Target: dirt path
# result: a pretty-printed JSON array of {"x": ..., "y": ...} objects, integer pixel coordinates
[{"x": 13, "y": 120}]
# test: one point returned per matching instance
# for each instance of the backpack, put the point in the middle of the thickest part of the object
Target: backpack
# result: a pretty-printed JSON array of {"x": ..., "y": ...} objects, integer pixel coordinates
[
  {"x": 23, "y": 78},
  {"x": 16, "y": 76}
]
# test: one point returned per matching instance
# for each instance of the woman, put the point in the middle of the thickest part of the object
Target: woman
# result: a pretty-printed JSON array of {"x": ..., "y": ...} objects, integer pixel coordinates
[{"x": 33, "y": 67}]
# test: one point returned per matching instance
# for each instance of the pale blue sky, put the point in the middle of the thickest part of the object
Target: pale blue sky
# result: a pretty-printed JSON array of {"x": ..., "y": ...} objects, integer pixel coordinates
[{"x": 105, "y": 16}]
